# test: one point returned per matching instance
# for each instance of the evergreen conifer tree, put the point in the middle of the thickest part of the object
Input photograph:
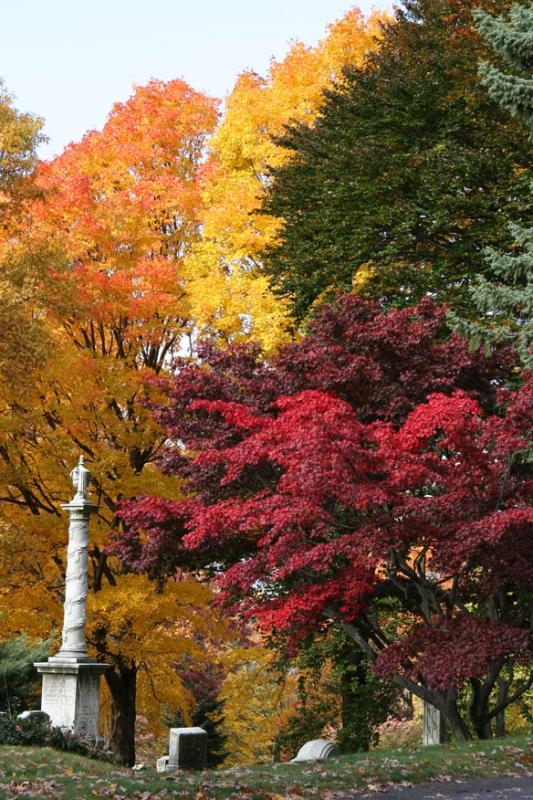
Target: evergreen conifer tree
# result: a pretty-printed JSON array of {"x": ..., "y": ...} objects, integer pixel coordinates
[
  {"x": 398, "y": 185},
  {"x": 507, "y": 302},
  {"x": 19, "y": 681},
  {"x": 511, "y": 36}
]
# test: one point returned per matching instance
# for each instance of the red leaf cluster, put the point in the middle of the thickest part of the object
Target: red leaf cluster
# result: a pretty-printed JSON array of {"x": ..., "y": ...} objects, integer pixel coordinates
[
  {"x": 370, "y": 467},
  {"x": 451, "y": 649}
]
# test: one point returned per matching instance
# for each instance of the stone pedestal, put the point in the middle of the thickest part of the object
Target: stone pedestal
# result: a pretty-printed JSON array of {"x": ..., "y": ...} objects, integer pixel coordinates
[
  {"x": 434, "y": 730},
  {"x": 71, "y": 695}
]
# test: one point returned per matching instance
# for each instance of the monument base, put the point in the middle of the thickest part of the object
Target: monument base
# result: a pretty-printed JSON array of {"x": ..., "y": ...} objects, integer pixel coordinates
[{"x": 71, "y": 693}]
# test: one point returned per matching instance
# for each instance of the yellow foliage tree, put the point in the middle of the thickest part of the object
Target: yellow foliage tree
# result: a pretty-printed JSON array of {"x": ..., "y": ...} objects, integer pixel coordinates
[
  {"x": 21, "y": 338},
  {"x": 229, "y": 295},
  {"x": 256, "y": 705}
]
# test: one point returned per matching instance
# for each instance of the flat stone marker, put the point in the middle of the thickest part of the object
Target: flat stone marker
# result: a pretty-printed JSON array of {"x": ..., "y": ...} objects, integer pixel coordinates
[
  {"x": 187, "y": 749},
  {"x": 317, "y": 750}
]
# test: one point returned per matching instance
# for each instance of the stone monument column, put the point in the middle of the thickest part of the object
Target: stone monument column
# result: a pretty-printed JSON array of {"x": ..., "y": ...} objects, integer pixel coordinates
[{"x": 71, "y": 678}]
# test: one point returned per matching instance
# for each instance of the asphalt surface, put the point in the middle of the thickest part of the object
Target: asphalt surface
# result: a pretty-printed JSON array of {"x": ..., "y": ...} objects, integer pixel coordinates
[{"x": 501, "y": 788}]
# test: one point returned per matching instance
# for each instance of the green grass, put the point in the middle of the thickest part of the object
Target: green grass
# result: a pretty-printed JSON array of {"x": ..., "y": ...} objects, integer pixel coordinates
[{"x": 33, "y": 772}]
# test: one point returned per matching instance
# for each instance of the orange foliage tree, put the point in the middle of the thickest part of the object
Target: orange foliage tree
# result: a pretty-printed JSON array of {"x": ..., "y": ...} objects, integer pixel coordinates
[{"x": 116, "y": 216}]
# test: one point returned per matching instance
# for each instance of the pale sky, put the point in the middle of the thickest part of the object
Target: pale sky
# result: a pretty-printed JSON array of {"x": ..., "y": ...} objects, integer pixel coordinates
[{"x": 69, "y": 60}]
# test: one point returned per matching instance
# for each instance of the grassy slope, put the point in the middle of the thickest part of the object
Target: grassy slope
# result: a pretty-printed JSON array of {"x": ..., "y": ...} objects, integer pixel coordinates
[{"x": 32, "y": 772}]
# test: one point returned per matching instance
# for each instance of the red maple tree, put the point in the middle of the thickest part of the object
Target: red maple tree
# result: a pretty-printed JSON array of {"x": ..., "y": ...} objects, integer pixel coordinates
[{"x": 374, "y": 479}]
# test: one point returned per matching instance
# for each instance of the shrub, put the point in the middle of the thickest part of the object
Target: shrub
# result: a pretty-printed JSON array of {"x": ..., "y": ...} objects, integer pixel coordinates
[{"x": 40, "y": 734}]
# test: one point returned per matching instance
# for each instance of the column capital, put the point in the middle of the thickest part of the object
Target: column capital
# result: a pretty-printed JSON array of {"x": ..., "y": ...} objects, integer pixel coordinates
[{"x": 85, "y": 506}]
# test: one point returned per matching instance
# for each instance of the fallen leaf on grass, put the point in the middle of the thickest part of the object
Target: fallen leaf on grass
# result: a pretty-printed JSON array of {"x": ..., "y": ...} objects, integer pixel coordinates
[
  {"x": 249, "y": 793},
  {"x": 34, "y": 789}
]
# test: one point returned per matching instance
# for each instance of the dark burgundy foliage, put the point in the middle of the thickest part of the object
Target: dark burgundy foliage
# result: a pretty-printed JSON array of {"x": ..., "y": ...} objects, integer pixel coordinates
[{"x": 373, "y": 478}]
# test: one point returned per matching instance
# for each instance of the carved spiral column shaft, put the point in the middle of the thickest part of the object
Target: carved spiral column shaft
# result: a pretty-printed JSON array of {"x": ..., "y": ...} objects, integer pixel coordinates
[{"x": 76, "y": 582}]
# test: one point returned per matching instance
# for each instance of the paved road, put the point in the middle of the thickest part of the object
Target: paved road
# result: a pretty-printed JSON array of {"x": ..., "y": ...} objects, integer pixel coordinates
[{"x": 502, "y": 788}]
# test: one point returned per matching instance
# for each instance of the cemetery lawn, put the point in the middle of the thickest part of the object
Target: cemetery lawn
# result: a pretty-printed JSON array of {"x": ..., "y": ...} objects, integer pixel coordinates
[{"x": 41, "y": 772}]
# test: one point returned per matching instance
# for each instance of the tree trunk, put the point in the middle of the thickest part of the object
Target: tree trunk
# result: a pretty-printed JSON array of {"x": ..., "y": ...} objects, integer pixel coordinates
[
  {"x": 479, "y": 706},
  {"x": 500, "y": 725},
  {"x": 503, "y": 696},
  {"x": 122, "y": 682},
  {"x": 457, "y": 727},
  {"x": 482, "y": 727}
]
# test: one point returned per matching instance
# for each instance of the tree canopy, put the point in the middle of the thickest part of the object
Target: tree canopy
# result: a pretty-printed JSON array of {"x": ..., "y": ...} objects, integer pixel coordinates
[
  {"x": 505, "y": 302},
  {"x": 372, "y": 479},
  {"x": 229, "y": 292},
  {"x": 400, "y": 182},
  {"x": 22, "y": 340}
]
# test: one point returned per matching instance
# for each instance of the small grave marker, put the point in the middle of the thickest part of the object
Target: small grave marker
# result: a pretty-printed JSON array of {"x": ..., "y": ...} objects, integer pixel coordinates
[{"x": 187, "y": 749}]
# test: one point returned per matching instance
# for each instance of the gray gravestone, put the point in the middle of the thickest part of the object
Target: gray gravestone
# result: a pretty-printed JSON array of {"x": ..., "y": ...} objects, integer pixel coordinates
[
  {"x": 187, "y": 749},
  {"x": 434, "y": 730},
  {"x": 317, "y": 750},
  {"x": 71, "y": 679}
]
